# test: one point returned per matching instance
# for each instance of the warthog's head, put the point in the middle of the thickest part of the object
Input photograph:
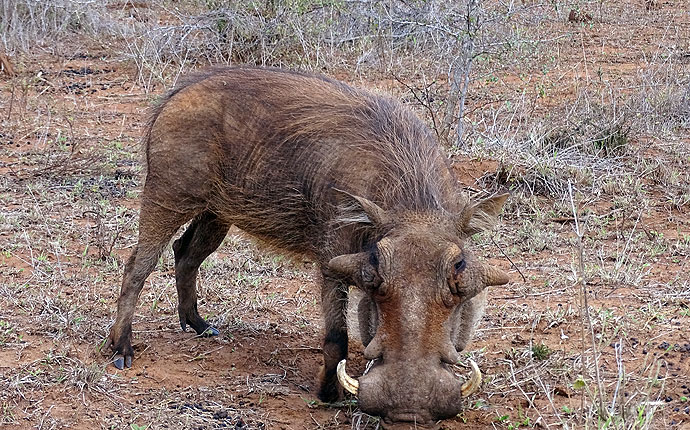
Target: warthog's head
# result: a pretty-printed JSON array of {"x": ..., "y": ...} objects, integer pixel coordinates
[{"x": 415, "y": 277}]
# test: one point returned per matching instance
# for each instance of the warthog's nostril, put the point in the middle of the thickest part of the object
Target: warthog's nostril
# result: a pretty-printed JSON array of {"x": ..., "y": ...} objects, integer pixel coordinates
[
  {"x": 407, "y": 421},
  {"x": 409, "y": 417}
]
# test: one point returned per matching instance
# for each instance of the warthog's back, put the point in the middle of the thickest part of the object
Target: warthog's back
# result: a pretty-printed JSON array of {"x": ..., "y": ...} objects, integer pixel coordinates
[{"x": 264, "y": 149}]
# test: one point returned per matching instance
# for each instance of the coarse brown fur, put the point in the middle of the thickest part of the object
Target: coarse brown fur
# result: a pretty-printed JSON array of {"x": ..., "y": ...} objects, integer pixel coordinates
[{"x": 317, "y": 168}]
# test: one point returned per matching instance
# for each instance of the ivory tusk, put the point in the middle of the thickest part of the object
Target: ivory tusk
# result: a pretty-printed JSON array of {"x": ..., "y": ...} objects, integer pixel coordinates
[
  {"x": 469, "y": 387},
  {"x": 349, "y": 383}
]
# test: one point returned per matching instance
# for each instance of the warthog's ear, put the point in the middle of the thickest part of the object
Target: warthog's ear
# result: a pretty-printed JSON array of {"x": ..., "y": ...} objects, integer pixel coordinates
[
  {"x": 359, "y": 209},
  {"x": 480, "y": 216},
  {"x": 492, "y": 275},
  {"x": 347, "y": 265}
]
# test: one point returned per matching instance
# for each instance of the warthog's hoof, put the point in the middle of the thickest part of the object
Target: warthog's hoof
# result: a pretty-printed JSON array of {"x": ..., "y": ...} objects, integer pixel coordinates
[
  {"x": 210, "y": 332},
  {"x": 121, "y": 361},
  {"x": 200, "y": 327},
  {"x": 122, "y": 349}
]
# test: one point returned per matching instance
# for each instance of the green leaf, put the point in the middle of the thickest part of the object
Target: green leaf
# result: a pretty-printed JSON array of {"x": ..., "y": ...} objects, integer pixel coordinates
[{"x": 579, "y": 384}]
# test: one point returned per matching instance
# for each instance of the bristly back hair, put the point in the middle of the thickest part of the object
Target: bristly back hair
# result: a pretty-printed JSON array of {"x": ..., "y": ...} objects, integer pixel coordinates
[
  {"x": 404, "y": 149},
  {"x": 401, "y": 148}
]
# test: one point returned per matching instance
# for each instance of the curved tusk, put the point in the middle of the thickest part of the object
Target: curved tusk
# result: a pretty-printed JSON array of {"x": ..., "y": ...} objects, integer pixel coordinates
[
  {"x": 469, "y": 387},
  {"x": 349, "y": 383}
]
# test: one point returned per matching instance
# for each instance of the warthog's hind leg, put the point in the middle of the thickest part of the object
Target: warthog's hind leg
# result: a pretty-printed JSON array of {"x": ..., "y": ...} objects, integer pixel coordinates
[
  {"x": 157, "y": 225},
  {"x": 203, "y": 236}
]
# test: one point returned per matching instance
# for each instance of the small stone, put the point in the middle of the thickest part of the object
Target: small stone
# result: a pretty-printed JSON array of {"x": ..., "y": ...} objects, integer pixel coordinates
[{"x": 221, "y": 414}]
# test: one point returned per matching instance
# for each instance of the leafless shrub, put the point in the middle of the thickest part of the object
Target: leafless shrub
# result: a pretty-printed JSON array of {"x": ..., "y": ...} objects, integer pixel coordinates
[
  {"x": 308, "y": 34},
  {"x": 543, "y": 162},
  {"x": 663, "y": 99},
  {"x": 585, "y": 143},
  {"x": 25, "y": 23},
  {"x": 104, "y": 245}
]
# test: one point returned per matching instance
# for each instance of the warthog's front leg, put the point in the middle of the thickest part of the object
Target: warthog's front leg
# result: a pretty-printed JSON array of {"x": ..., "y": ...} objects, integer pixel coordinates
[{"x": 334, "y": 306}]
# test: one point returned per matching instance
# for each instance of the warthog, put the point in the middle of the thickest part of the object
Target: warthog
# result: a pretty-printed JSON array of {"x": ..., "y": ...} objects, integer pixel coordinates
[{"x": 349, "y": 179}]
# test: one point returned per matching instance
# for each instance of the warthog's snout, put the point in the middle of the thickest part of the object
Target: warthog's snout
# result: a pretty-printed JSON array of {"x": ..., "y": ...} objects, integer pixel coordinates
[{"x": 415, "y": 393}]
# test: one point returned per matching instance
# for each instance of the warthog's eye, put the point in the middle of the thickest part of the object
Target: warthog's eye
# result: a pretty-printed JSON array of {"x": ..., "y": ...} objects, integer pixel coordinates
[
  {"x": 460, "y": 266},
  {"x": 455, "y": 276},
  {"x": 370, "y": 272},
  {"x": 374, "y": 260}
]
